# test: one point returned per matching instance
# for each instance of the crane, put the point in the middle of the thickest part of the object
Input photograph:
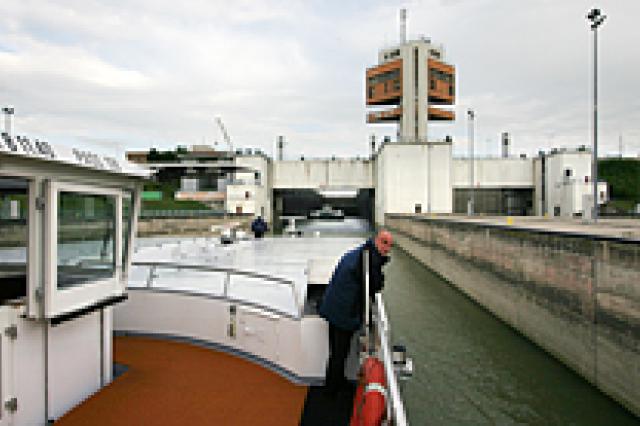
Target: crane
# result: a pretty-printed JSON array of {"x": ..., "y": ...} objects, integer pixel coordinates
[{"x": 227, "y": 139}]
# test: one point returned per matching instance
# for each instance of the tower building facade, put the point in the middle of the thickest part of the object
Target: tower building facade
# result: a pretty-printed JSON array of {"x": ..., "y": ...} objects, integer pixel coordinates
[
  {"x": 415, "y": 84},
  {"x": 412, "y": 85}
]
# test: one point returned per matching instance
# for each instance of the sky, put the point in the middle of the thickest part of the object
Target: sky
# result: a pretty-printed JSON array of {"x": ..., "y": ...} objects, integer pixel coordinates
[{"x": 118, "y": 75}]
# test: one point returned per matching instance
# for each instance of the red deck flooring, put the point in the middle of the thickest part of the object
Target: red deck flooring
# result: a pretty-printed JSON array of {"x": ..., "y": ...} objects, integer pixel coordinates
[{"x": 171, "y": 383}]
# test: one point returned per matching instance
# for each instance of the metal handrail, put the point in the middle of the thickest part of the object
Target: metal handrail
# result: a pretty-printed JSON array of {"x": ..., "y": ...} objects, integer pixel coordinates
[
  {"x": 160, "y": 213},
  {"x": 395, "y": 406},
  {"x": 367, "y": 308},
  {"x": 154, "y": 266}
]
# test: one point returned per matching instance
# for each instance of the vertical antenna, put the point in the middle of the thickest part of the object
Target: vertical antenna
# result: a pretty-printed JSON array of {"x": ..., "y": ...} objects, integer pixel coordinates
[
  {"x": 373, "y": 145},
  {"x": 8, "y": 122},
  {"x": 280, "y": 148},
  {"x": 403, "y": 26},
  {"x": 620, "y": 144},
  {"x": 505, "y": 144}
]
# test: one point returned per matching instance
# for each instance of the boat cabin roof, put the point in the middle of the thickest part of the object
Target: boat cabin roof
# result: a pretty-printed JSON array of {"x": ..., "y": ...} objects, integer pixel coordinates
[{"x": 47, "y": 155}]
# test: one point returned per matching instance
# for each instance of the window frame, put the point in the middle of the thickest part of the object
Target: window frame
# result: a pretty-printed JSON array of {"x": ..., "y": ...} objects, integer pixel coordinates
[
  {"x": 33, "y": 236},
  {"x": 60, "y": 301}
]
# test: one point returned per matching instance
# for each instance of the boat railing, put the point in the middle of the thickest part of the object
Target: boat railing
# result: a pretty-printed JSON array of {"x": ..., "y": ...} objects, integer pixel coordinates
[
  {"x": 155, "y": 267},
  {"x": 395, "y": 407}
]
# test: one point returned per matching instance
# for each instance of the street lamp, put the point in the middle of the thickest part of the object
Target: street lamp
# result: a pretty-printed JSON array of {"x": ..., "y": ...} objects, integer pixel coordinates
[
  {"x": 596, "y": 18},
  {"x": 471, "y": 202}
]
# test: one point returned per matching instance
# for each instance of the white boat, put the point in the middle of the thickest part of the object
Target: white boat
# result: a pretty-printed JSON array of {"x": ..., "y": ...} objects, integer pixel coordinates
[
  {"x": 175, "y": 331},
  {"x": 327, "y": 212}
]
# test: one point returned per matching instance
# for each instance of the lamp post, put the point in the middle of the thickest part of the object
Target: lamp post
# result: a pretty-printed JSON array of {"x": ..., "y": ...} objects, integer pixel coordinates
[
  {"x": 471, "y": 202},
  {"x": 596, "y": 18}
]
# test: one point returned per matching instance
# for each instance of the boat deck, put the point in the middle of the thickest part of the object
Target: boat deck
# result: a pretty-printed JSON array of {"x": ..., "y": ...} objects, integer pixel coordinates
[
  {"x": 189, "y": 265},
  {"x": 172, "y": 383}
]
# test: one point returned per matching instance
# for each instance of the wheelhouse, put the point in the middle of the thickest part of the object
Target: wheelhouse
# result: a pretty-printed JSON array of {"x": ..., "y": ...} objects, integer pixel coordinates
[{"x": 67, "y": 226}]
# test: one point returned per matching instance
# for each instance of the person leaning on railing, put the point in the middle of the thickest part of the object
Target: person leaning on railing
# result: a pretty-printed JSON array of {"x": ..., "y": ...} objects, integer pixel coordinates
[{"x": 342, "y": 303}]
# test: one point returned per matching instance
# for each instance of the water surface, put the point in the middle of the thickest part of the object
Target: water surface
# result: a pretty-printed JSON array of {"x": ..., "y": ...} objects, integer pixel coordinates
[{"x": 472, "y": 369}]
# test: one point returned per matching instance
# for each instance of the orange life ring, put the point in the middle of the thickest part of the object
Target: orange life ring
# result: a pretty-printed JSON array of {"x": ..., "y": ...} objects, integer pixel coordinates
[{"x": 369, "y": 404}]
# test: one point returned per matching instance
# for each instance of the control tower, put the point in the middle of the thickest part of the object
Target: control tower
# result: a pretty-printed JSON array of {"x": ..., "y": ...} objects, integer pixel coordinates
[{"x": 414, "y": 82}]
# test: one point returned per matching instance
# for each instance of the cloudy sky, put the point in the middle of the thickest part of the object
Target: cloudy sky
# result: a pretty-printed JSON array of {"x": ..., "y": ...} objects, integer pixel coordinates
[{"x": 130, "y": 74}]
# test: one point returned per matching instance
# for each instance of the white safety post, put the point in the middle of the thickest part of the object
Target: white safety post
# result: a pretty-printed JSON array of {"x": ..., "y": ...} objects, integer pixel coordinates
[
  {"x": 398, "y": 414},
  {"x": 367, "y": 307}
]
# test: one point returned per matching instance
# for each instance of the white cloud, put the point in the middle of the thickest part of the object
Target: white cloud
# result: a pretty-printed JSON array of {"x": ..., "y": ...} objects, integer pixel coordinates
[
  {"x": 35, "y": 61},
  {"x": 156, "y": 72}
]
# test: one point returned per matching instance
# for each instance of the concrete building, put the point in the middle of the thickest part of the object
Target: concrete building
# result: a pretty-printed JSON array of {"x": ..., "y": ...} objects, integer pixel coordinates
[
  {"x": 250, "y": 190},
  {"x": 501, "y": 185},
  {"x": 412, "y": 82},
  {"x": 412, "y": 178},
  {"x": 411, "y": 86},
  {"x": 556, "y": 183},
  {"x": 563, "y": 183},
  {"x": 238, "y": 183},
  {"x": 401, "y": 177}
]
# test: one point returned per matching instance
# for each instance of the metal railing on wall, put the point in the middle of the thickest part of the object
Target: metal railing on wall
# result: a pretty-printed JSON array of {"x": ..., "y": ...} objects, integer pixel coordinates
[{"x": 168, "y": 214}]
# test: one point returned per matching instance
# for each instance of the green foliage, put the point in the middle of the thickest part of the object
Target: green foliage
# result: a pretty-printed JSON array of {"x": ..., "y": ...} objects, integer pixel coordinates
[
  {"x": 155, "y": 156},
  {"x": 168, "y": 202},
  {"x": 622, "y": 205},
  {"x": 167, "y": 189},
  {"x": 623, "y": 178}
]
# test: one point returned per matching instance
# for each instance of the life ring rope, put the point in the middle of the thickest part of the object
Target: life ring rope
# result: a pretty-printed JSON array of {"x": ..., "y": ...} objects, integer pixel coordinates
[{"x": 376, "y": 387}]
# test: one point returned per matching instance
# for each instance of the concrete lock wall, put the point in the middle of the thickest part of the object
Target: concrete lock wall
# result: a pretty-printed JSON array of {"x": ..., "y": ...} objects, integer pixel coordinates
[
  {"x": 314, "y": 174},
  {"x": 413, "y": 177},
  {"x": 191, "y": 226},
  {"x": 575, "y": 296},
  {"x": 493, "y": 173}
]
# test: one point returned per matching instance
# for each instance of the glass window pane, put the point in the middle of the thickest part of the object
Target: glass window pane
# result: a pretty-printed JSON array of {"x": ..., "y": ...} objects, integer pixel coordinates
[
  {"x": 127, "y": 209},
  {"x": 14, "y": 209},
  {"x": 86, "y": 238}
]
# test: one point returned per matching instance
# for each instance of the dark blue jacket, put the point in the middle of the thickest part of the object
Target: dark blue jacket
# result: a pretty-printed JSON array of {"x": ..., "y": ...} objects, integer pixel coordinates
[
  {"x": 342, "y": 305},
  {"x": 259, "y": 227}
]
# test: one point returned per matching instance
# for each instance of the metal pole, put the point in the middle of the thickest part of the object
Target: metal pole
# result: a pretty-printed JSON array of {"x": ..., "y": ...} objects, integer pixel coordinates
[
  {"x": 620, "y": 145},
  {"x": 8, "y": 122},
  {"x": 595, "y": 125},
  {"x": 403, "y": 26},
  {"x": 429, "y": 152},
  {"x": 471, "y": 206},
  {"x": 367, "y": 308},
  {"x": 597, "y": 18}
]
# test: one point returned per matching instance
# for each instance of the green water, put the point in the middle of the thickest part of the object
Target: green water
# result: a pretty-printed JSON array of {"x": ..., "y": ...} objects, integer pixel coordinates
[{"x": 471, "y": 369}]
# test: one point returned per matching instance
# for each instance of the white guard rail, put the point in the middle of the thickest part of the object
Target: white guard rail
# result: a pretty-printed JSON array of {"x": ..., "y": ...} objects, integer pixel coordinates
[
  {"x": 154, "y": 267},
  {"x": 395, "y": 407}
]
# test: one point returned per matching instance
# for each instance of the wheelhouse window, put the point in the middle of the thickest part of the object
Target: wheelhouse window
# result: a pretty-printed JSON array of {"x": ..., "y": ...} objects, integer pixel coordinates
[
  {"x": 14, "y": 205},
  {"x": 86, "y": 238}
]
